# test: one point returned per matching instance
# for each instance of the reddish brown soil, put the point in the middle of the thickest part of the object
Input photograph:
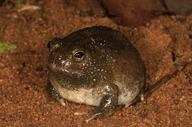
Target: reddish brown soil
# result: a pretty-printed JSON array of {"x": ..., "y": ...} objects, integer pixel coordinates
[{"x": 24, "y": 100}]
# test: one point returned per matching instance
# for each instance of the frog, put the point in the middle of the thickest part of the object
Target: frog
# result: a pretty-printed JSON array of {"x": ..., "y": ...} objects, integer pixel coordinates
[{"x": 95, "y": 66}]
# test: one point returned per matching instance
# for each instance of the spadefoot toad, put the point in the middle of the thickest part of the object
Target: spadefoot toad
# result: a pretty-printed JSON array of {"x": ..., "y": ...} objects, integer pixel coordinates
[{"x": 96, "y": 66}]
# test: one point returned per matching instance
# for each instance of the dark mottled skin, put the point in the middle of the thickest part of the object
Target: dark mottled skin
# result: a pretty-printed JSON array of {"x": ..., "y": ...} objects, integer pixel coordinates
[{"x": 96, "y": 66}]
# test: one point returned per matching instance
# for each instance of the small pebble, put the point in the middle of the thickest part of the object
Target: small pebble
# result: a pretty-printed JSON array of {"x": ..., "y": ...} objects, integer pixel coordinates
[{"x": 176, "y": 101}]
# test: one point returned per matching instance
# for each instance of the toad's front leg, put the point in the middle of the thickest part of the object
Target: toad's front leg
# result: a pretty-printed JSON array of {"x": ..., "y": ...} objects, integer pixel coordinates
[
  {"x": 107, "y": 104},
  {"x": 54, "y": 94}
]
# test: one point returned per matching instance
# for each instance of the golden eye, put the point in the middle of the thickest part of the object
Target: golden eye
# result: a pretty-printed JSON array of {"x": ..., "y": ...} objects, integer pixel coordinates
[{"x": 78, "y": 56}]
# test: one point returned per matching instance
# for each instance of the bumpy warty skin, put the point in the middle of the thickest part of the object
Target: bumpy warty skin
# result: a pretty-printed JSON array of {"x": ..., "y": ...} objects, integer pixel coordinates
[{"x": 90, "y": 63}]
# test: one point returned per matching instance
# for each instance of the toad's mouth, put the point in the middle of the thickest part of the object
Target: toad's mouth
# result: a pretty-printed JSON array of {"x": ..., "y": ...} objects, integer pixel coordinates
[{"x": 53, "y": 68}]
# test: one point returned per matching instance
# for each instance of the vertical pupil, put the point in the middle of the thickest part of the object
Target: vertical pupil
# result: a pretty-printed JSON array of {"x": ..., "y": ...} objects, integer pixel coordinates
[{"x": 79, "y": 54}]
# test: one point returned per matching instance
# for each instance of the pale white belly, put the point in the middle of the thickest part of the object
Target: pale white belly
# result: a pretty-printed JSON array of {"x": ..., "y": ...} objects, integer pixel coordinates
[{"x": 90, "y": 97}]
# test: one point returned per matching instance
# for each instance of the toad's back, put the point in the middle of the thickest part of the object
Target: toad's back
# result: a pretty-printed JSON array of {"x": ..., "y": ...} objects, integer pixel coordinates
[{"x": 88, "y": 62}]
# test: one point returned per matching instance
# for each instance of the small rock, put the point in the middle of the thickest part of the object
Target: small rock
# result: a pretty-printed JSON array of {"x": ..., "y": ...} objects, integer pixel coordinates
[{"x": 176, "y": 101}]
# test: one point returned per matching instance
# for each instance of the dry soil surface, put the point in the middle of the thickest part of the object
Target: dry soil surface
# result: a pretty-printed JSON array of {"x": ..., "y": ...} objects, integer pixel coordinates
[{"x": 162, "y": 42}]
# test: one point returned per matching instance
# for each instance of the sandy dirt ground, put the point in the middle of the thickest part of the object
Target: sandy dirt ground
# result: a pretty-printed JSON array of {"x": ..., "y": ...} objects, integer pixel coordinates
[{"x": 24, "y": 101}]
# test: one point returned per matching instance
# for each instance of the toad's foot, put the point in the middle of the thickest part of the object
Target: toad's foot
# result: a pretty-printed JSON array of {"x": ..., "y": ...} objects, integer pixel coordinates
[
  {"x": 106, "y": 108},
  {"x": 54, "y": 94},
  {"x": 90, "y": 118},
  {"x": 62, "y": 101},
  {"x": 107, "y": 105}
]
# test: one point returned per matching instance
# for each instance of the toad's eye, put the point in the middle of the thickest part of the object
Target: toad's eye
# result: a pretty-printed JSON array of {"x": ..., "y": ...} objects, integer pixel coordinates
[{"x": 78, "y": 56}]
